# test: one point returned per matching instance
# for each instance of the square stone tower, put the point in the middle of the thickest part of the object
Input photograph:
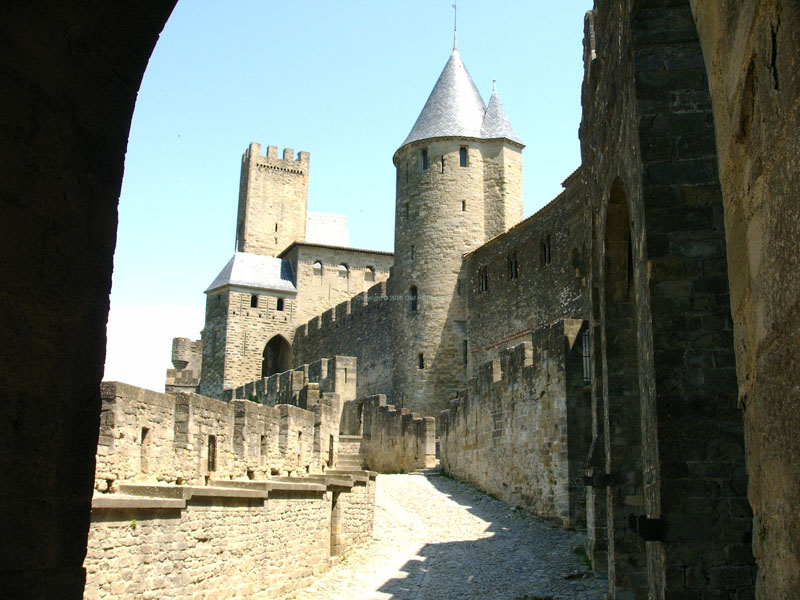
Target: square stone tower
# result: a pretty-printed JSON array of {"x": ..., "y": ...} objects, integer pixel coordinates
[{"x": 273, "y": 200}]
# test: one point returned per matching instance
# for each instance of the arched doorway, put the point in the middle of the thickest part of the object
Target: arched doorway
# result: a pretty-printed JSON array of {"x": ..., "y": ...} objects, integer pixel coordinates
[{"x": 277, "y": 356}]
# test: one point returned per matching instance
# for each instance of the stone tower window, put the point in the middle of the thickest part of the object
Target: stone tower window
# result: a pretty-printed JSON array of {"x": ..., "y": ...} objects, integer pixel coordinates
[
  {"x": 463, "y": 206},
  {"x": 442, "y": 163},
  {"x": 412, "y": 251},
  {"x": 318, "y": 270},
  {"x": 512, "y": 265},
  {"x": 421, "y": 361},
  {"x": 279, "y": 304},
  {"x": 544, "y": 251},
  {"x": 462, "y": 156},
  {"x": 344, "y": 271},
  {"x": 369, "y": 273},
  {"x": 424, "y": 159},
  {"x": 212, "y": 453},
  {"x": 464, "y": 352},
  {"x": 254, "y": 301},
  {"x": 460, "y": 287},
  {"x": 586, "y": 354},
  {"x": 276, "y": 228},
  {"x": 484, "y": 277},
  {"x": 412, "y": 298}
]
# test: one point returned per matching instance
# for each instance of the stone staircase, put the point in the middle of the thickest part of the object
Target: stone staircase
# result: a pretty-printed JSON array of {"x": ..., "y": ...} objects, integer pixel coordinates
[{"x": 349, "y": 457}]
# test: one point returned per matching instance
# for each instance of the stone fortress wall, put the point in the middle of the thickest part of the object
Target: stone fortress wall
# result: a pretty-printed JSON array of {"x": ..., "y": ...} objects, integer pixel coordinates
[
  {"x": 360, "y": 327},
  {"x": 195, "y": 494},
  {"x": 521, "y": 429},
  {"x": 528, "y": 276},
  {"x": 392, "y": 440}
]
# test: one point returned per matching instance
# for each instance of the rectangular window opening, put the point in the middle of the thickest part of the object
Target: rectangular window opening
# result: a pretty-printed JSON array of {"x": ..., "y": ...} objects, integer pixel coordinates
[
  {"x": 212, "y": 453},
  {"x": 424, "y": 159},
  {"x": 464, "y": 352},
  {"x": 442, "y": 163},
  {"x": 421, "y": 361},
  {"x": 254, "y": 301},
  {"x": 279, "y": 304},
  {"x": 587, "y": 357},
  {"x": 462, "y": 156},
  {"x": 463, "y": 206}
]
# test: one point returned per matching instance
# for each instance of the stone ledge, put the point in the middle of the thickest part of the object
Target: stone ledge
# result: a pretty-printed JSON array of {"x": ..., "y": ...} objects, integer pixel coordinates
[
  {"x": 112, "y": 501},
  {"x": 356, "y": 474},
  {"x": 288, "y": 486}
]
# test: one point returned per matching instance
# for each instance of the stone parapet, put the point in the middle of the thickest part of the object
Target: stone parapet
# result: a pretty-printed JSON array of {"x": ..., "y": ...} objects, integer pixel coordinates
[{"x": 520, "y": 429}]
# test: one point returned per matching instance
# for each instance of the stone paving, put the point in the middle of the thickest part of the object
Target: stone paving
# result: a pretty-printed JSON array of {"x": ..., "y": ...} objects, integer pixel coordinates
[{"x": 436, "y": 538}]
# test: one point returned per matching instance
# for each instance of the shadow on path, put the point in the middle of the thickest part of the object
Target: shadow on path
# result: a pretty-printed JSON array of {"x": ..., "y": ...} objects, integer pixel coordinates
[{"x": 524, "y": 558}]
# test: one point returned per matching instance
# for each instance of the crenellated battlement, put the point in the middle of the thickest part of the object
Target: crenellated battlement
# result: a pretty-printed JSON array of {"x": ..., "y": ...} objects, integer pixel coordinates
[
  {"x": 270, "y": 159},
  {"x": 361, "y": 306},
  {"x": 392, "y": 439},
  {"x": 303, "y": 386},
  {"x": 511, "y": 424}
]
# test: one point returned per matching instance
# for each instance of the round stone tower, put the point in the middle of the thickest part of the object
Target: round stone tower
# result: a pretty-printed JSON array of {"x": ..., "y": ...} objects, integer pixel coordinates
[{"x": 459, "y": 183}]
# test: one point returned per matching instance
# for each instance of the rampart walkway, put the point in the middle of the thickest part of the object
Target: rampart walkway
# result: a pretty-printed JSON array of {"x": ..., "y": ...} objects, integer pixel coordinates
[{"x": 437, "y": 539}]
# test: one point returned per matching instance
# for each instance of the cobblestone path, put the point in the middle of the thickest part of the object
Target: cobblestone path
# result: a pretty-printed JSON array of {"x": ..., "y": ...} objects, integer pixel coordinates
[{"x": 437, "y": 539}]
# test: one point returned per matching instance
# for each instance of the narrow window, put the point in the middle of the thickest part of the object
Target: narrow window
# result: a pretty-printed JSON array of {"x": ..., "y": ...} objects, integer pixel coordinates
[
  {"x": 544, "y": 251},
  {"x": 459, "y": 287},
  {"x": 369, "y": 273},
  {"x": 212, "y": 453},
  {"x": 421, "y": 361},
  {"x": 587, "y": 357},
  {"x": 299, "y": 446},
  {"x": 463, "y": 206},
  {"x": 424, "y": 159},
  {"x": 464, "y": 352},
  {"x": 145, "y": 440},
  {"x": 318, "y": 270},
  {"x": 412, "y": 298},
  {"x": 330, "y": 451},
  {"x": 512, "y": 265},
  {"x": 276, "y": 228},
  {"x": 254, "y": 301},
  {"x": 344, "y": 271},
  {"x": 405, "y": 210},
  {"x": 263, "y": 447},
  {"x": 484, "y": 276},
  {"x": 412, "y": 251},
  {"x": 279, "y": 304},
  {"x": 442, "y": 163},
  {"x": 462, "y": 156}
]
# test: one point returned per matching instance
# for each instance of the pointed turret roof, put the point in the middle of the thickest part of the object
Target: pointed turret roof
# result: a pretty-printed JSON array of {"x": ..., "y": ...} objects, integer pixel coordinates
[
  {"x": 496, "y": 123},
  {"x": 455, "y": 108}
]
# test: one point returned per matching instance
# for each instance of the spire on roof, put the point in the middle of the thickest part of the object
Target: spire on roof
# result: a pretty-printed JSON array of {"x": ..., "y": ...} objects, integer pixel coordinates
[
  {"x": 454, "y": 108},
  {"x": 496, "y": 123}
]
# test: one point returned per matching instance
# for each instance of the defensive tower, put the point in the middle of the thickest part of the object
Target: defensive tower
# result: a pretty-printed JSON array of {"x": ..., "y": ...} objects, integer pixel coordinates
[
  {"x": 459, "y": 183},
  {"x": 273, "y": 200}
]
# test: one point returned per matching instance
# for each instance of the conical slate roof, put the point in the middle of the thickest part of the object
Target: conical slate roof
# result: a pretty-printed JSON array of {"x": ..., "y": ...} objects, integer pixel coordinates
[
  {"x": 256, "y": 271},
  {"x": 496, "y": 123},
  {"x": 455, "y": 109}
]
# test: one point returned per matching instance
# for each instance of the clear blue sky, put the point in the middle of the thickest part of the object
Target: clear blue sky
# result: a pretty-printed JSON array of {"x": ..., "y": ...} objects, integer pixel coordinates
[{"x": 344, "y": 80}]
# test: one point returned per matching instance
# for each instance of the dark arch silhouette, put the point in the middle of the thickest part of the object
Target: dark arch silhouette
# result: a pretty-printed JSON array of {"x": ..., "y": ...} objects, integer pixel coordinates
[{"x": 277, "y": 356}]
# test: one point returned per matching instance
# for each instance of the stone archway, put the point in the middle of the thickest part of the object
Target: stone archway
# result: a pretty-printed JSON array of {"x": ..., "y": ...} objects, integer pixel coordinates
[
  {"x": 627, "y": 563},
  {"x": 277, "y": 356}
]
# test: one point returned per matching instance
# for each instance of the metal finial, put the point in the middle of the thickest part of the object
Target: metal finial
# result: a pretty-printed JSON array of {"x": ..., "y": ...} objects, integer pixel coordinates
[{"x": 455, "y": 26}]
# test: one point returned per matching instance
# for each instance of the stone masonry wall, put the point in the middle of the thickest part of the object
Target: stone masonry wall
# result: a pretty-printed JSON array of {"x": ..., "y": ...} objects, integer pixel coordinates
[
  {"x": 752, "y": 58},
  {"x": 324, "y": 286},
  {"x": 528, "y": 286},
  {"x": 251, "y": 513},
  {"x": 393, "y": 440},
  {"x": 520, "y": 430},
  {"x": 273, "y": 200},
  {"x": 360, "y": 327}
]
